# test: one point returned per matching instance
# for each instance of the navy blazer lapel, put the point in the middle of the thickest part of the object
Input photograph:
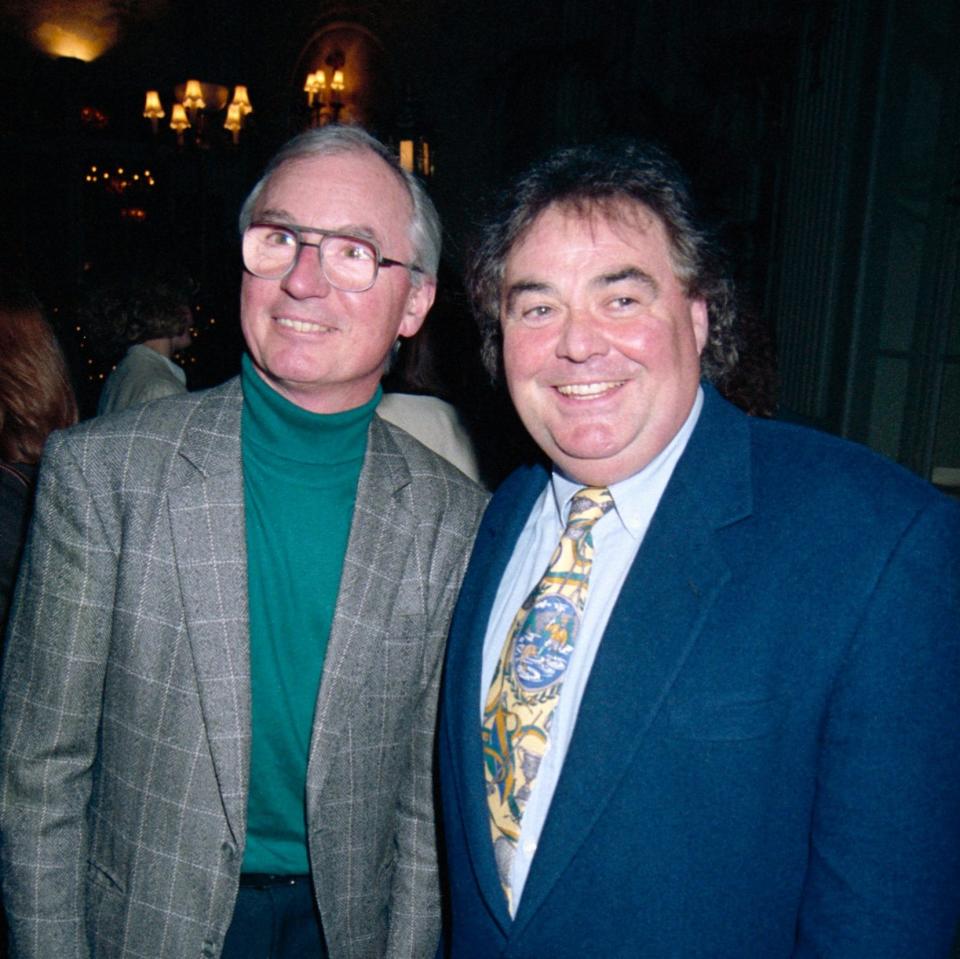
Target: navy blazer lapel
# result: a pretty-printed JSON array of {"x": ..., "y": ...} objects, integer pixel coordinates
[
  {"x": 461, "y": 696},
  {"x": 675, "y": 579},
  {"x": 205, "y": 503}
]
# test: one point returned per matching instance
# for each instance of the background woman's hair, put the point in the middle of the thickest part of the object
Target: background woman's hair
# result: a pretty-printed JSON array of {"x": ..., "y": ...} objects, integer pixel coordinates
[{"x": 36, "y": 396}]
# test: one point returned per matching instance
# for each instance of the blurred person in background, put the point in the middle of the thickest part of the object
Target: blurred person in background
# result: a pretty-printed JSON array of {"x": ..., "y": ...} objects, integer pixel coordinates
[
  {"x": 416, "y": 400},
  {"x": 149, "y": 317},
  {"x": 36, "y": 397}
]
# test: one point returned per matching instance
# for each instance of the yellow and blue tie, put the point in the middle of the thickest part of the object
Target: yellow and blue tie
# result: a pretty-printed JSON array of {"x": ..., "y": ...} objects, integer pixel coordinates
[{"x": 529, "y": 675}]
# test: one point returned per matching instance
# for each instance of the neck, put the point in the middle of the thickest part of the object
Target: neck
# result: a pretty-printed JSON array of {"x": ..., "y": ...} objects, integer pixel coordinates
[
  {"x": 332, "y": 398},
  {"x": 161, "y": 344}
]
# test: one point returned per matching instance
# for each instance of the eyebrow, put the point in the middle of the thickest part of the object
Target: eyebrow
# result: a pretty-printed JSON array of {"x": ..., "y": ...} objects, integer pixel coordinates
[
  {"x": 518, "y": 289},
  {"x": 285, "y": 218},
  {"x": 628, "y": 273},
  {"x": 605, "y": 279}
]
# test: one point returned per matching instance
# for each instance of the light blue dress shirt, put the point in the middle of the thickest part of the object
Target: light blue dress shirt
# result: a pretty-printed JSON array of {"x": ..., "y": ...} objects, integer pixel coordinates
[{"x": 616, "y": 538}]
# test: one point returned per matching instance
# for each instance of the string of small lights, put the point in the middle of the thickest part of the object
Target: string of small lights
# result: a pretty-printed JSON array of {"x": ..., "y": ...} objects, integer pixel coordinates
[
  {"x": 121, "y": 182},
  {"x": 118, "y": 179}
]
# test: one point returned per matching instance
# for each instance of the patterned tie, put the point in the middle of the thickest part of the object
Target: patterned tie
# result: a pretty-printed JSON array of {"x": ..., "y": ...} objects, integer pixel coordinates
[{"x": 528, "y": 678}]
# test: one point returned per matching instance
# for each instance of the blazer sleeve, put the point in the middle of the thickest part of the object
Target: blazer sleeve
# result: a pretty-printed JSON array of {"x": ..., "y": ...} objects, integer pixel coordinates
[
  {"x": 414, "y": 903},
  {"x": 884, "y": 873},
  {"x": 50, "y": 694}
]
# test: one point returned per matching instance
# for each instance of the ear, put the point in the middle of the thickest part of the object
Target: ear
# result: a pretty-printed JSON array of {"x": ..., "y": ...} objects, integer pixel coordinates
[
  {"x": 700, "y": 318},
  {"x": 419, "y": 301}
]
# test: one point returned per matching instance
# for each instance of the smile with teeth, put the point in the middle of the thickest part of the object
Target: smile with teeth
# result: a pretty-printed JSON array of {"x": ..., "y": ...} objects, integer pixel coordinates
[
  {"x": 589, "y": 389},
  {"x": 301, "y": 326}
]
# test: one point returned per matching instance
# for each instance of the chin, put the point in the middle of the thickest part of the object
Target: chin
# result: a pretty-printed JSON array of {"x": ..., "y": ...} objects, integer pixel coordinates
[{"x": 587, "y": 449}]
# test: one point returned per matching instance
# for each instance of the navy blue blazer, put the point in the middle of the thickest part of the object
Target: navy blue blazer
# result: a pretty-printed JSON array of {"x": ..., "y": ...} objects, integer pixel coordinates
[{"x": 765, "y": 763}]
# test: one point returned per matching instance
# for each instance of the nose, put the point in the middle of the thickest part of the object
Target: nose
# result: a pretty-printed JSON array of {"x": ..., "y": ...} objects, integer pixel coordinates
[
  {"x": 581, "y": 337},
  {"x": 306, "y": 279}
]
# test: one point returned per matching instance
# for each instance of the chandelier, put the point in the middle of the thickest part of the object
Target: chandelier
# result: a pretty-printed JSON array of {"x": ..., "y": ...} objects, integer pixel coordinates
[{"x": 198, "y": 107}]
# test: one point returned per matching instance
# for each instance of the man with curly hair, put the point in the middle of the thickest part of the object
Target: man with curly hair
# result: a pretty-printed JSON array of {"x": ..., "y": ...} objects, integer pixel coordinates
[
  {"x": 725, "y": 722},
  {"x": 150, "y": 318}
]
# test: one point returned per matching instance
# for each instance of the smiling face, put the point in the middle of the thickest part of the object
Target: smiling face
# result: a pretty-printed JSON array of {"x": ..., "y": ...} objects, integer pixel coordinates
[
  {"x": 601, "y": 346},
  {"x": 320, "y": 347}
]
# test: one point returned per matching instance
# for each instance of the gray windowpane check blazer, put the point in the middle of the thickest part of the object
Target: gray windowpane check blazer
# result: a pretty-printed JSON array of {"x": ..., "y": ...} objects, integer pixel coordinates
[{"x": 125, "y": 730}]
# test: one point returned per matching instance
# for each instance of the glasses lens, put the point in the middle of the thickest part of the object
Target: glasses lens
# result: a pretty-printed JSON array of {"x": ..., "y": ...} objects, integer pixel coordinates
[
  {"x": 349, "y": 263},
  {"x": 269, "y": 250}
]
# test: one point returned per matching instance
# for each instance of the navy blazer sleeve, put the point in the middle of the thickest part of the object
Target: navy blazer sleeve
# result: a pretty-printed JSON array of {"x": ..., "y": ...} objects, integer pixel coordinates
[{"x": 881, "y": 880}]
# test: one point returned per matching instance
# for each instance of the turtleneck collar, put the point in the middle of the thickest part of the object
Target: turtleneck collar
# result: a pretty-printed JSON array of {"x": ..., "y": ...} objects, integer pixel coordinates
[{"x": 286, "y": 431}]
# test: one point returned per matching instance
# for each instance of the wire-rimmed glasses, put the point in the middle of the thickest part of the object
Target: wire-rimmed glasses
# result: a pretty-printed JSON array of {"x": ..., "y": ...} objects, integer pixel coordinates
[{"x": 349, "y": 263}]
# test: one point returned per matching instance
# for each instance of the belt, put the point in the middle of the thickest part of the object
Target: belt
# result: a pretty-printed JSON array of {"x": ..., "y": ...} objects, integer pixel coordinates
[{"x": 264, "y": 880}]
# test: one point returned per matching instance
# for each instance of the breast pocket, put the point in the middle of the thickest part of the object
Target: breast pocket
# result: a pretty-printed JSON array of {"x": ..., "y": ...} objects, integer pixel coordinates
[{"x": 726, "y": 721}]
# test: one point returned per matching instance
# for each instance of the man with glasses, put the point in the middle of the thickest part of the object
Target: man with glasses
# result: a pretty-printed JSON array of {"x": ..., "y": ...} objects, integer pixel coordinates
[{"x": 221, "y": 684}]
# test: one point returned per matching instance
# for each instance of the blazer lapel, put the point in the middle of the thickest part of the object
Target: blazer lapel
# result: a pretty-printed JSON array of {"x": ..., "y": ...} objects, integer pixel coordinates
[
  {"x": 381, "y": 530},
  {"x": 461, "y": 696},
  {"x": 675, "y": 579},
  {"x": 206, "y": 512}
]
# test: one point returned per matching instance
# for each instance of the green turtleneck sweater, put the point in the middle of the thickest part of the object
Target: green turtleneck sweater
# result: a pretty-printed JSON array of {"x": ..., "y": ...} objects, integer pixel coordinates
[{"x": 300, "y": 473}]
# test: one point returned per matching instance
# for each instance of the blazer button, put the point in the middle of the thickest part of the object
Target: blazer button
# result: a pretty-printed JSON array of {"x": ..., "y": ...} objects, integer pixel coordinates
[{"x": 229, "y": 850}]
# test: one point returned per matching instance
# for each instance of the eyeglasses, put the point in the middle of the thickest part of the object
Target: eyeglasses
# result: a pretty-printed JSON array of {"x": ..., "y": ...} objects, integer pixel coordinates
[{"x": 349, "y": 263}]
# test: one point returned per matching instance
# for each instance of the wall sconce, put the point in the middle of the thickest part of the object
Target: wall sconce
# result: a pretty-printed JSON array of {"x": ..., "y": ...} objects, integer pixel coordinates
[{"x": 324, "y": 110}]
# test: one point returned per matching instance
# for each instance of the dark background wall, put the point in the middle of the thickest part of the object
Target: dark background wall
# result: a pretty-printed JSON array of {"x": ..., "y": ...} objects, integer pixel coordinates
[{"x": 823, "y": 137}]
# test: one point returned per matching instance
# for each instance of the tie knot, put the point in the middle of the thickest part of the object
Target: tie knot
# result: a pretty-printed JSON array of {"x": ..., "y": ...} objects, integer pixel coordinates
[{"x": 588, "y": 505}]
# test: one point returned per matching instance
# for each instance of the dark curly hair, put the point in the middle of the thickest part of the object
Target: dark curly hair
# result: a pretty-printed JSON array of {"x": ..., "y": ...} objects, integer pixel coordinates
[
  {"x": 600, "y": 178},
  {"x": 119, "y": 313}
]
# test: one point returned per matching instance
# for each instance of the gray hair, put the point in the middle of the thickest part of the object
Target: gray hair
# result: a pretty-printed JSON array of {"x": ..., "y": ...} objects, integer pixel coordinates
[
  {"x": 601, "y": 178},
  {"x": 425, "y": 231}
]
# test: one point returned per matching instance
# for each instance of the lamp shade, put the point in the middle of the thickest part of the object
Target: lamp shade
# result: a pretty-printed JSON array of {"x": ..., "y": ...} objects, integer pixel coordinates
[
  {"x": 234, "y": 121},
  {"x": 152, "y": 107},
  {"x": 178, "y": 118},
  {"x": 314, "y": 86},
  {"x": 241, "y": 99},
  {"x": 193, "y": 96}
]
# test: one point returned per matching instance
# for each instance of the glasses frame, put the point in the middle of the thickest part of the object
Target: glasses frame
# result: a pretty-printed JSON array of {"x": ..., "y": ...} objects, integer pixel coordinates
[{"x": 297, "y": 230}]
